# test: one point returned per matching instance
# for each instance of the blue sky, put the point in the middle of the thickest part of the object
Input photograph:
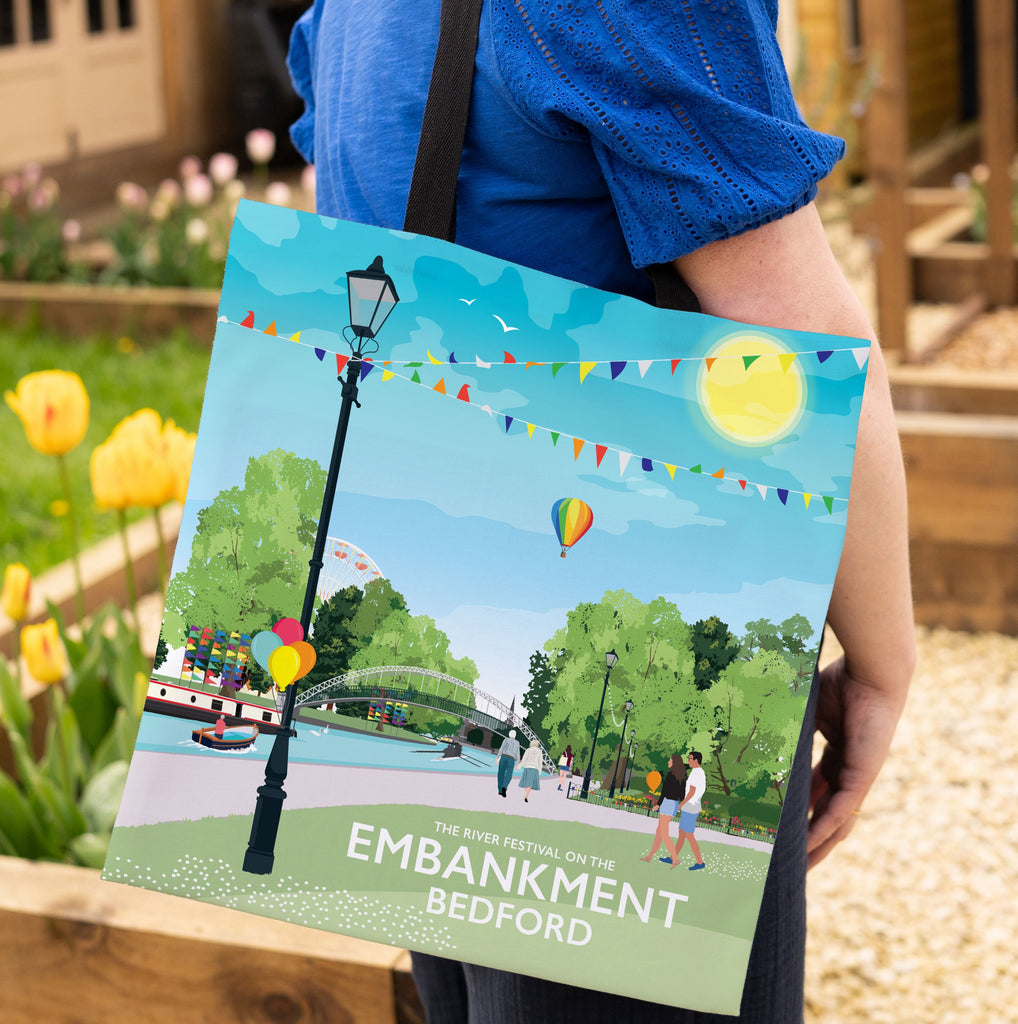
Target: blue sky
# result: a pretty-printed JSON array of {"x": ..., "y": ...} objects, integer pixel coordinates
[{"x": 453, "y": 506}]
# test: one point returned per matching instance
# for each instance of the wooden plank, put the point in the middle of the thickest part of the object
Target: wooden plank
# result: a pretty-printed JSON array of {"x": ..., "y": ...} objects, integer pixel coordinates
[
  {"x": 962, "y": 474},
  {"x": 887, "y": 140},
  {"x": 934, "y": 388},
  {"x": 86, "y": 950},
  {"x": 996, "y": 42},
  {"x": 965, "y": 586}
]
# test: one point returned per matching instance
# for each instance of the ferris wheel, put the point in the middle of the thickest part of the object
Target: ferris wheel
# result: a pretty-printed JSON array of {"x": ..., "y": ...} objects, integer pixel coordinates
[{"x": 345, "y": 565}]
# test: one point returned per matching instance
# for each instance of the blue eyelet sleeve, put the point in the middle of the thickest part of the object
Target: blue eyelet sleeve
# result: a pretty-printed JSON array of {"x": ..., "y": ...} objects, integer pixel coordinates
[
  {"x": 300, "y": 62},
  {"x": 686, "y": 104}
]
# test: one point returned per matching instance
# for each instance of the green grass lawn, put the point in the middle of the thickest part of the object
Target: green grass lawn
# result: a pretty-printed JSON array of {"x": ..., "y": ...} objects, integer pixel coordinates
[{"x": 121, "y": 377}]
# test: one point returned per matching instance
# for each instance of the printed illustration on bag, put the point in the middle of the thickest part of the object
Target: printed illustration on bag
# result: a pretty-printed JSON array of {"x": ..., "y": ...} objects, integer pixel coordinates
[{"x": 494, "y": 611}]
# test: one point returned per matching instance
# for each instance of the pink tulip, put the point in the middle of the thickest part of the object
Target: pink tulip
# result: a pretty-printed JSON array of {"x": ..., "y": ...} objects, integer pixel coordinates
[
  {"x": 189, "y": 167},
  {"x": 261, "y": 145},
  {"x": 278, "y": 193},
  {"x": 198, "y": 190},
  {"x": 223, "y": 168},
  {"x": 71, "y": 232}
]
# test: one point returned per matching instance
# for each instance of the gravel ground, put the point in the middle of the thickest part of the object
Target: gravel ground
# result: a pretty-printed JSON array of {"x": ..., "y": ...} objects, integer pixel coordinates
[{"x": 912, "y": 919}]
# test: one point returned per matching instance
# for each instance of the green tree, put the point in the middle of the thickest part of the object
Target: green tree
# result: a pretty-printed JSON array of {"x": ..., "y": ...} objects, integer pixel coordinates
[
  {"x": 535, "y": 701},
  {"x": 333, "y": 637},
  {"x": 248, "y": 561},
  {"x": 655, "y": 670},
  {"x": 714, "y": 648}
]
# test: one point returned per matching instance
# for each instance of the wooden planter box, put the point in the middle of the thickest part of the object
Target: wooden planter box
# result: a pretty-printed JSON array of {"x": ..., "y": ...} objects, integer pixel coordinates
[
  {"x": 947, "y": 264},
  {"x": 75, "y": 948},
  {"x": 90, "y": 309},
  {"x": 959, "y": 435}
]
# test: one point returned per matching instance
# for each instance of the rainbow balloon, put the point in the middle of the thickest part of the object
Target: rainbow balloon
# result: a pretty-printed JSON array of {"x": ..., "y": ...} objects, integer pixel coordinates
[{"x": 572, "y": 518}]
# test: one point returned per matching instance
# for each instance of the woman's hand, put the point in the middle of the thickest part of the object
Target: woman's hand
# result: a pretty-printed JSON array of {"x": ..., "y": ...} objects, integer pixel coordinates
[{"x": 857, "y": 719}]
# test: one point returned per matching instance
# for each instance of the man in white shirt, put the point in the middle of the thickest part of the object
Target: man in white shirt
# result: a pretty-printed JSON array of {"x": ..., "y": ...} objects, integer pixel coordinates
[{"x": 689, "y": 809}]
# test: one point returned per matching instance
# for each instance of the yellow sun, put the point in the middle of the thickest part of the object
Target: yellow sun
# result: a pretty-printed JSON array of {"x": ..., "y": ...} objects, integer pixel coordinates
[{"x": 752, "y": 388}]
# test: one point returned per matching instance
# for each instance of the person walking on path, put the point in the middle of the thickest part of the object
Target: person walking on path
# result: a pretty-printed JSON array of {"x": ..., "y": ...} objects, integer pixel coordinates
[
  {"x": 673, "y": 789},
  {"x": 565, "y": 764},
  {"x": 508, "y": 755},
  {"x": 531, "y": 765},
  {"x": 689, "y": 810}
]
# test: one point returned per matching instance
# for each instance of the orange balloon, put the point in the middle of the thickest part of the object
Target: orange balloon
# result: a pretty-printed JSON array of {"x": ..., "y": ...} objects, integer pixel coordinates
[
  {"x": 284, "y": 664},
  {"x": 307, "y": 656},
  {"x": 653, "y": 781}
]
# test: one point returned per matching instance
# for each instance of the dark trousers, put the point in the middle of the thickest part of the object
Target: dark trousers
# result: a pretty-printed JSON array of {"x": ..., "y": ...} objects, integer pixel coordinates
[
  {"x": 506, "y": 764},
  {"x": 456, "y": 993}
]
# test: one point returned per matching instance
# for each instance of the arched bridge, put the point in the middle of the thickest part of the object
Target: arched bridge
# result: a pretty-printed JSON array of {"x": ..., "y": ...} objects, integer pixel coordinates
[{"x": 424, "y": 688}]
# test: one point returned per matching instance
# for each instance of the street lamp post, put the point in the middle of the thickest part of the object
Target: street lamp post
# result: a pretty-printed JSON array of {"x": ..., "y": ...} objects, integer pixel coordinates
[
  {"x": 629, "y": 757},
  {"x": 610, "y": 659},
  {"x": 618, "y": 756},
  {"x": 372, "y": 297},
  {"x": 632, "y": 759}
]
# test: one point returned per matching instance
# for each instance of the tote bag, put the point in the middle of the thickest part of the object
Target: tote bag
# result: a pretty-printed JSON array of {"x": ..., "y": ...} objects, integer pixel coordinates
[{"x": 448, "y": 517}]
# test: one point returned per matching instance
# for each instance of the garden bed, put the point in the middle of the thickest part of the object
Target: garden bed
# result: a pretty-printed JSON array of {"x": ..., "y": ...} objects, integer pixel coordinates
[
  {"x": 137, "y": 312},
  {"x": 84, "y": 949}
]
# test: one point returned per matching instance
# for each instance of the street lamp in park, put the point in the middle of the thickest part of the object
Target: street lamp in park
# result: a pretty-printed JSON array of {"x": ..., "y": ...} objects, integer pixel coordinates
[
  {"x": 372, "y": 297},
  {"x": 611, "y": 658},
  {"x": 632, "y": 759},
  {"x": 618, "y": 756}
]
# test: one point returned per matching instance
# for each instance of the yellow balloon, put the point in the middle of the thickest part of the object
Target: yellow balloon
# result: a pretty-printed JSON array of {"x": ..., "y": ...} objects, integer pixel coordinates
[{"x": 284, "y": 664}]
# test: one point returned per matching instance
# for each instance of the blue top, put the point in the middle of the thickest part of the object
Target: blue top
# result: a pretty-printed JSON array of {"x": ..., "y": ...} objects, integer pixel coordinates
[{"x": 604, "y": 135}]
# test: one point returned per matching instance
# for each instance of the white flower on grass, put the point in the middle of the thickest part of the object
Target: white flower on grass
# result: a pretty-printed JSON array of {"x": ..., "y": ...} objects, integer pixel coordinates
[
  {"x": 234, "y": 190},
  {"x": 223, "y": 168},
  {"x": 260, "y": 144},
  {"x": 278, "y": 193},
  {"x": 197, "y": 231},
  {"x": 198, "y": 190}
]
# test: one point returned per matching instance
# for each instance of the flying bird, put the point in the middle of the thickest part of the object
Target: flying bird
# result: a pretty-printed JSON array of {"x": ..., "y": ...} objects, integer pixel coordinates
[
  {"x": 505, "y": 327},
  {"x": 468, "y": 301}
]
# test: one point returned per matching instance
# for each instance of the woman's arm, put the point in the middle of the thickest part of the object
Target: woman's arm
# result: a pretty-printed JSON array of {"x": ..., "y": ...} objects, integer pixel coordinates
[{"x": 784, "y": 275}]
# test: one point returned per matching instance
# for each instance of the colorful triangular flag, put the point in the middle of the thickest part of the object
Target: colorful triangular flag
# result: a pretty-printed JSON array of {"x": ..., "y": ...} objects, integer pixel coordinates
[
  {"x": 617, "y": 368},
  {"x": 585, "y": 368},
  {"x": 577, "y": 447},
  {"x": 248, "y": 321},
  {"x": 782, "y": 495},
  {"x": 599, "y": 452}
]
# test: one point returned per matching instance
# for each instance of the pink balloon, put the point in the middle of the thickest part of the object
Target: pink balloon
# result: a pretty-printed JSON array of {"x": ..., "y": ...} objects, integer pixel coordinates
[{"x": 288, "y": 630}]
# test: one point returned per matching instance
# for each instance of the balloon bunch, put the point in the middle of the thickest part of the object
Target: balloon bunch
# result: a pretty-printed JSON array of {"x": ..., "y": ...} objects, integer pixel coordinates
[{"x": 283, "y": 652}]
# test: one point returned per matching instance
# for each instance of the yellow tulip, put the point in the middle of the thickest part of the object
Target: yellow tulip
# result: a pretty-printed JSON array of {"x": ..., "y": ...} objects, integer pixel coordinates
[
  {"x": 179, "y": 455},
  {"x": 44, "y": 653},
  {"x": 141, "y": 452},
  {"x": 109, "y": 480},
  {"x": 53, "y": 407},
  {"x": 17, "y": 587}
]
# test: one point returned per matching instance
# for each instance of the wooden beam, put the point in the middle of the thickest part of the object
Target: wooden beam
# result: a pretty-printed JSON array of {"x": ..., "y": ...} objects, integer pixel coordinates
[
  {"x": 996, "y": 41},
  {"x": 886, "y": 145},
  {"x": 75, "y": 948}
]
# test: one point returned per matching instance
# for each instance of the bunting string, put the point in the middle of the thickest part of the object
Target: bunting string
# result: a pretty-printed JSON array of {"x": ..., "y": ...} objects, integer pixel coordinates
[{"x": 578, "y": 445}]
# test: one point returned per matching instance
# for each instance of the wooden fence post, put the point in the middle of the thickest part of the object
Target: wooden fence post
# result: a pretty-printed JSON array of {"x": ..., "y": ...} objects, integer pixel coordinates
[{"x": 882, "y": 26}]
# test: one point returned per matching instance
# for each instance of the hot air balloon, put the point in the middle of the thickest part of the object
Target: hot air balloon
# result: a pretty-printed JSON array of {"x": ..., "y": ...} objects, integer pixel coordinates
[
  {"x": 345, "y": 564},
  {"x": 572, "y": 518}
]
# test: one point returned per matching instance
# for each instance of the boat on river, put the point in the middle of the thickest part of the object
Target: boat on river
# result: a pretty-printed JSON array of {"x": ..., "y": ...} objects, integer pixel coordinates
[{"x": 233, "y": 738}]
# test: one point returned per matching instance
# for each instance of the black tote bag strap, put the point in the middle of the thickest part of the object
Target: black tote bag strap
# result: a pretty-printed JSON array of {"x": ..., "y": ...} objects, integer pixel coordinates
[{"x": 431, "y": 204}]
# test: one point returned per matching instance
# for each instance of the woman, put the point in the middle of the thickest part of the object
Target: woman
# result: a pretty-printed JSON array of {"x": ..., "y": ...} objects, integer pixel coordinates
[
  {"x": 565, "y": 764},
  {"x": 530, "y": 777},
  {"x": 673, "y": 789},
  {"x": 604, "y": 139}
]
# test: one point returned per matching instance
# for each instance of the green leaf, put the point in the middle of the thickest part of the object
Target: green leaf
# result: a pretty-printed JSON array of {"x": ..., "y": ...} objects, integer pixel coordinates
[
  {"x": 63, "y": 761},
  {"x": 101, "y": 799},
  {"x": 19, "y": 835},
  {"x": 89, "y": 849},
  {"x": 15, "y": 711},
  {"x": 95, "y": 709},
  {"x": 118, "y": 743}
]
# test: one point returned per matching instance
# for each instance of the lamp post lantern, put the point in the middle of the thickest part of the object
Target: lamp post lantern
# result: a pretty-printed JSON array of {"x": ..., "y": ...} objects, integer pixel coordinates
[
  {"x": 610, "y": 660},
  {"x": 618, "y": 756},
  {"x": 372, "y": 297}
]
